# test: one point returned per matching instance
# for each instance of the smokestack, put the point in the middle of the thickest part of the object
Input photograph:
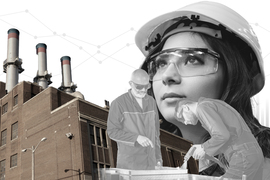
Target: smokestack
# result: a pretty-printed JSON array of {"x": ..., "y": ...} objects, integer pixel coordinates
[
  {"x": 67, "y": 84},
  {"x": 12, "y": 65},
  {"x": 42, "y": 78}
]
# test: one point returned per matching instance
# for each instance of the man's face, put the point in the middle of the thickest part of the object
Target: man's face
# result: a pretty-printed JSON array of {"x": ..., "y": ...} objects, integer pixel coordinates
[{"x": 138, "y": 90}]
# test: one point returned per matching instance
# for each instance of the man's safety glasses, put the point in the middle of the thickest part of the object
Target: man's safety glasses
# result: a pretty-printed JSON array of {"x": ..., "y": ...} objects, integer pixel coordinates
[
  {"x": 141, "y": 87},
  {"x": 189, "y": 62}
]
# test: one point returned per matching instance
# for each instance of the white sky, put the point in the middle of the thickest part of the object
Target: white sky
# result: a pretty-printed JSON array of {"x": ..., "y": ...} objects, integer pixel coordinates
[{"x": 98, "y": 35}]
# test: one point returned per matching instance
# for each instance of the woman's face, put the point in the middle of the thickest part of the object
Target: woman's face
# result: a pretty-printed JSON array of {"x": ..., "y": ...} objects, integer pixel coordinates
[{"x": 173, "y": 87}]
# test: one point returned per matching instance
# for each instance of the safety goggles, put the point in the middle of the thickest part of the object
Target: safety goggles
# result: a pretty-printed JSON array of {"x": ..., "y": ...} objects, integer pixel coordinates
[
  {"x": 141, "y": 87},
  {"x": 189, "y": 62}
]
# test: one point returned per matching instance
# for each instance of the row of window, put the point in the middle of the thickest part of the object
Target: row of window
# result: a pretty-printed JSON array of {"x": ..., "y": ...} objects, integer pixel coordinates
[
  {"x": 100, "y": 134},
  {"x": 13, "y": 163},
  {"x": 14, "y": 133},
  {"x": 100, "y": 150},
  {"x": 5, "y": 106},
  {"x": 2, "y": 169}
]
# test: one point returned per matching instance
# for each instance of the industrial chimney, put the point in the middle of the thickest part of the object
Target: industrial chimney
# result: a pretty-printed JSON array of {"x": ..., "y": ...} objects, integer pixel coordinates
[
  {"x": 42, "y": 78},
  {"x": 67, "y": 84},
  {"x": 12, "y": 65}
]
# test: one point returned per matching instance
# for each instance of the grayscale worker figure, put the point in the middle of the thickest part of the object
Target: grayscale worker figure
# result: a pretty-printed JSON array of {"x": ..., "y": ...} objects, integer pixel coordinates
[
  {"x": 133, "y": 122},
  {"x": 229, "y": 133}
]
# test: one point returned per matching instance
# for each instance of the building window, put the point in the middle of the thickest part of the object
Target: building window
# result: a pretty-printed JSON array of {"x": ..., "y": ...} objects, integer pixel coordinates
[
  {"x": 98, "y": 170},
  {"x": 15, "y": 100},
  {"x": 5, "y": 108},
  {"x": 3, "y": 137},
  {"x": 104, "y": 138},
  {"x": 13, "y": 160},
  {"x": 95, "y": 167},
  {"x": 14, "y": 130},
  {"x": 92, "y": 136},
  {"x": 98, "y": 136},
  {"x": 100, "y": 149},
  {"x": 2, "y": 169}
]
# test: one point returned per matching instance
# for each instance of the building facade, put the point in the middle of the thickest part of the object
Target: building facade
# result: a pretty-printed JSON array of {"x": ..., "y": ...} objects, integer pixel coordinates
[{"x": 76, "y": 145}]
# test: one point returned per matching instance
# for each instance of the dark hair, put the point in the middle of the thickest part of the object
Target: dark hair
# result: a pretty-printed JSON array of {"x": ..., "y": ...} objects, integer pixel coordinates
[{"x": 237, "y": 57}]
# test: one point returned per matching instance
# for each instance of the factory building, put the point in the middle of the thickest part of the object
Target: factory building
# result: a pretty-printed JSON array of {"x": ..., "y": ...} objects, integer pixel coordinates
[{"x": 49, "y": 133}]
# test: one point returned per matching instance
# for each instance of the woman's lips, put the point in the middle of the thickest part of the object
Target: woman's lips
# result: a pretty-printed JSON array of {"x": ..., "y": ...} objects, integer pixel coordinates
[{"x": 171, "y": 97}]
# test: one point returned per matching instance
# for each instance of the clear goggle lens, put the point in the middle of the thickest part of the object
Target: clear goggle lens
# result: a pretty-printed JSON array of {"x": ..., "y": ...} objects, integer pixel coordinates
[
  {"x": 141, "y": 87},
  {"x": 188, "y": 62}
]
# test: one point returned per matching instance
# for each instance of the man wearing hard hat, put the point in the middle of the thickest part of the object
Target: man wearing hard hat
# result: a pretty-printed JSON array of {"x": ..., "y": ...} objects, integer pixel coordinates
[{"x": 133, "y": 123}]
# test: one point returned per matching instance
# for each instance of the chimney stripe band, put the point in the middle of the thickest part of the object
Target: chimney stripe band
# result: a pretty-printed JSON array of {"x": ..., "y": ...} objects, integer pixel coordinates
[
  {"x": 41, "y": 49},
  {"x": 65, "y": 62},
  {"x": 13, "y": 35}
]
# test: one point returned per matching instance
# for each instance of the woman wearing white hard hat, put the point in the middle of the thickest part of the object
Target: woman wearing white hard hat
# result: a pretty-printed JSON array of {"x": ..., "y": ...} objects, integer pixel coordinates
[{"x": 232, "y": 71}]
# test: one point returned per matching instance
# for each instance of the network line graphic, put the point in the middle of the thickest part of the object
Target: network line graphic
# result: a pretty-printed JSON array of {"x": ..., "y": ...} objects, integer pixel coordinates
[
  {"x": 112, "y": 52},
  {"x": 70, "y": 39}
]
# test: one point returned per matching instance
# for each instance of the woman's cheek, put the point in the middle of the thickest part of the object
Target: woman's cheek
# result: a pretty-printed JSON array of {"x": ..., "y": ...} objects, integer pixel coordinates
[{"x": 157, "y": 93}]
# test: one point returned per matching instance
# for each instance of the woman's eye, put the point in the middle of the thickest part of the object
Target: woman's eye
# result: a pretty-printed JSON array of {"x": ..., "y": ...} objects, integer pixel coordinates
[
  {"x": 160, "y": 63},
  {"x": 192, "y": 60}
]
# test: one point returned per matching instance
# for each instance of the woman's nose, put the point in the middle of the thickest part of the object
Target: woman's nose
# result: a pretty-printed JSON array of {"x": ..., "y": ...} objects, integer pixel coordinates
[{"x": 171, "y": 75}]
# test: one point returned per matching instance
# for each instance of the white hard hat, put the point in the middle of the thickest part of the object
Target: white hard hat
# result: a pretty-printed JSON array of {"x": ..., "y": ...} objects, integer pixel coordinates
[
  {"x": 151, "y": 34},
  {"x": 140, "y": 76}
]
